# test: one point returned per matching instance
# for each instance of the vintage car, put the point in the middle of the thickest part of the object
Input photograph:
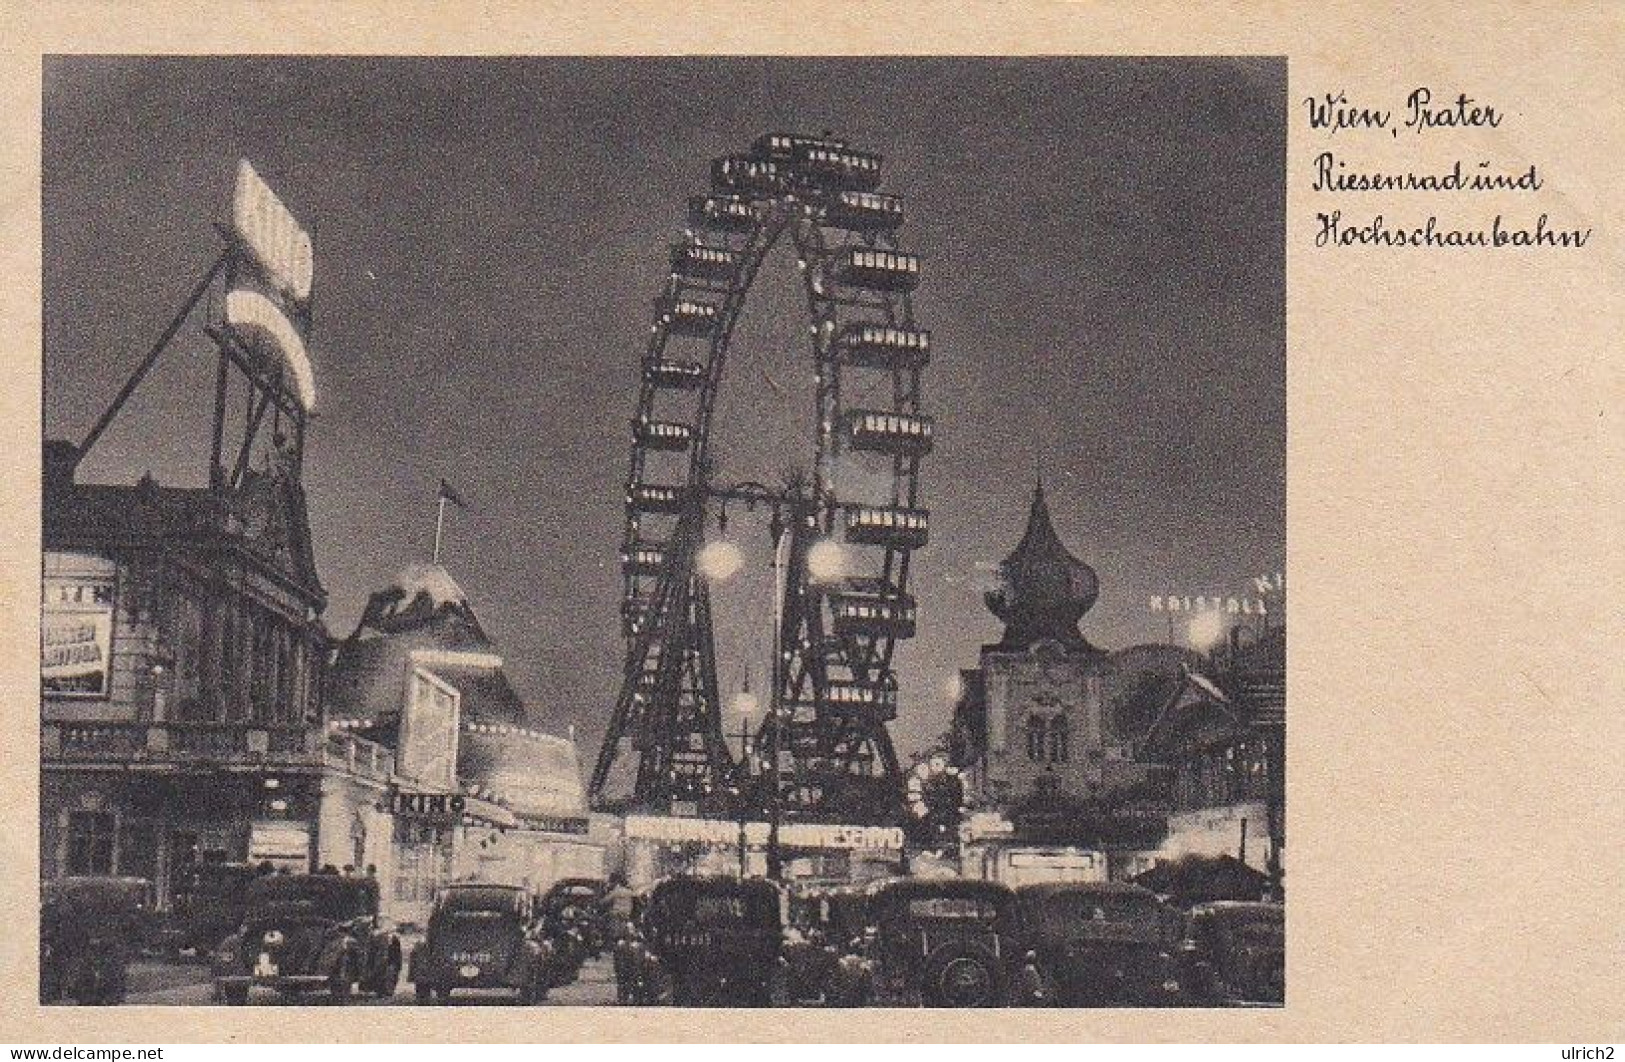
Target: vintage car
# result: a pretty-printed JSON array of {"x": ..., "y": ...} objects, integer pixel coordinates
[
  {"x": 716, "y": 939},
  {"x": 89, "y": 927},
  {"x": 1234, "y": 954},
  {"x": 824, "y": 954},
  {"x": 305, "y": 932},
  {"x": 575, "y": 925},
  {"x": 578, "y": 904},
  {"x": 1096, "y": 944},
  {"x": 938, "y": 942},
  {"x": 482, "y": 937},
  {"x": 208, "y": 903}
]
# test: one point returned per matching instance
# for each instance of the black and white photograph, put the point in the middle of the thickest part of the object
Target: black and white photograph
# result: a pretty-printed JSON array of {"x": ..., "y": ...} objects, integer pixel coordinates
[{"x": 705, "y": 531}]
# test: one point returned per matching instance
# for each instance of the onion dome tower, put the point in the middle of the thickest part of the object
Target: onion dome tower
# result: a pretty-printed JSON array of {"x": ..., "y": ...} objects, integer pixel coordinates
[{"x": 1043, "y": 589}]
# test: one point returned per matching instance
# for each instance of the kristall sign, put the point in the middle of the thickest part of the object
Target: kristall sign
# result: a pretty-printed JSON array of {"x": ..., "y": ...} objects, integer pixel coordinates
[
  {"x": 268, "y": 231},
  {"x": 1230, "y": 606}
]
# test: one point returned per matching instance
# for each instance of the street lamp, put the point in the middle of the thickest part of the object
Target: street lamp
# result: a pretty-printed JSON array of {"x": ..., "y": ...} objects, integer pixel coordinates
[{"x": 744, "y": 705}]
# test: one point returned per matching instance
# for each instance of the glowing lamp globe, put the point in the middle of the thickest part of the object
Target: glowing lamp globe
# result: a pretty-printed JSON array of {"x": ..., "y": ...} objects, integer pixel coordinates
[
  {"x": 719, "y": 560},
  {"x": 1207, "y": 630},
  {"x": 826, "y": 561}
]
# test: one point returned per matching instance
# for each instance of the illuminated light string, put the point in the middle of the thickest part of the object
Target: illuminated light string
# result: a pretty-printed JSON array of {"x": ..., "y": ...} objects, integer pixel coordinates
[{"x": 254, "y": 315}]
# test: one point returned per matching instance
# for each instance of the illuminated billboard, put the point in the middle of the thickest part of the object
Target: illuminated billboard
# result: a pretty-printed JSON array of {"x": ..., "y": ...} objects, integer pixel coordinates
[
  {"x": 429, "y": 723},
  {"x": 76, "y": 629},
  {"x": 259, "y": 322},
  {"x": 266, "y": 229}
]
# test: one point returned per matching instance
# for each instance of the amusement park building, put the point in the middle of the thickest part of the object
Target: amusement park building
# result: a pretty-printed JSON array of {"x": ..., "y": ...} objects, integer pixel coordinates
[
  {"x": 188, "y": 714},
  {"x": 1083, "y": 763},
  {"x": 181, "y": 657},
  {"x": 473, "y": 791}
]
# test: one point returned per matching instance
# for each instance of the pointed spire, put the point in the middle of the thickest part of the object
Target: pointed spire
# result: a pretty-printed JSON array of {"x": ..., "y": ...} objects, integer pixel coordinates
[{"x": 1044, "y": 590}]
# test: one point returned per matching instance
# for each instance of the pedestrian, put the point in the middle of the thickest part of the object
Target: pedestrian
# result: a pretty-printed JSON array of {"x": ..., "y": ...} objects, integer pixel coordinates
[{"x": 618, "y": 899}]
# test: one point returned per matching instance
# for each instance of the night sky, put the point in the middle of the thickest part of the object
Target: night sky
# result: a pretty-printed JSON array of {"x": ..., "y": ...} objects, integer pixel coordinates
[{"x": 1104, "y": 281}]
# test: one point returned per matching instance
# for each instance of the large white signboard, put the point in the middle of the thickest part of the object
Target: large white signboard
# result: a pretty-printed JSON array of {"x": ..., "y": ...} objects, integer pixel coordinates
[
  {"x": 270, "y": 234},
  {"x": 258, "y": 320},
  {"x": 76, "y": 625},
  {"x": 791, "y": 834},
  {"x": 429, "y": 722}
]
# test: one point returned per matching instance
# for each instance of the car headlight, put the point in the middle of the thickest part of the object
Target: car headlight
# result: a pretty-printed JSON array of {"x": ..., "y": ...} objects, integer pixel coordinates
[{"x": 1170, "y": 985}]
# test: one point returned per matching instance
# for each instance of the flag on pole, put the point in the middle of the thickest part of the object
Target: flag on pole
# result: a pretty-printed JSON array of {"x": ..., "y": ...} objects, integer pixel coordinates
[{"x": 448, "y": 494}]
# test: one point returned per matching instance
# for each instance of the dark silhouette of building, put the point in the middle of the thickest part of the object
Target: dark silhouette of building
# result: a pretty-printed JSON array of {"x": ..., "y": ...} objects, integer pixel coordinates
[{"x": 181, "y": 659}]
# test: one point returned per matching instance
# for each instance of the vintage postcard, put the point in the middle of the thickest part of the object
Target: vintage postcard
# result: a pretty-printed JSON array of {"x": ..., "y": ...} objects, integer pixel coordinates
[{"x": 549, "y": 527}]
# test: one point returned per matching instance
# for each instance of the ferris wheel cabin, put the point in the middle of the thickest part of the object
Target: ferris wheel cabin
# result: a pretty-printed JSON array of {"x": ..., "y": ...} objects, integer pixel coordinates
[
  {"x": 887, "y": 525},
  {"x": 721, "y": 213},
  {"x": 865, "y": 212},
  {"x": 883, "y": 347},
  {"x": 885, "y": 432},
  {"x": 843, "y": 167},
  {"x": 872, "y": 608},
  {"x": 747, "y": 174},
  {"x": 786, "y": 146},
  {"x": 862, "y": 699},
  {"x": 673, "y": 373},
  {"x": 686, "y": 317},
  {"x": 697, "y": 261},
  {"x": 655, "y": 499},
  {"x": 643, "y": 558},
  {"x": 663, "y": 435},
  {"x": 862, "y": 267}
]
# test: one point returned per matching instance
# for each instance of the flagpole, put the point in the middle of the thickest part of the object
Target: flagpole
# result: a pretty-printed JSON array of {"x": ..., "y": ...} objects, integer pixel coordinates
[{"x": 439, "y": 525}]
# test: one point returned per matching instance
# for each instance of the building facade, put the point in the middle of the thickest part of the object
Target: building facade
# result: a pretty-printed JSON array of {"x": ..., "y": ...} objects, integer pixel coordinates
[
  {"x": 1226, "y": 748},
  {"x": 1050, "y": 729},
  {"x": 473, "y": 791},
  {"x": 181, "y": 675}
]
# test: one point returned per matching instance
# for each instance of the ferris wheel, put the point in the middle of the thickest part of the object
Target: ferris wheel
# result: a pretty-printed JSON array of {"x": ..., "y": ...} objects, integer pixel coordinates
[{"x": 843, "y": 527}]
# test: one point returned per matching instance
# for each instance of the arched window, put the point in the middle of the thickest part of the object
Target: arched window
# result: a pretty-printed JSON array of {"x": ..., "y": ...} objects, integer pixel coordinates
[
  {"x": 1060, "y": 750},
  {"x": 1037, "y": 730}
]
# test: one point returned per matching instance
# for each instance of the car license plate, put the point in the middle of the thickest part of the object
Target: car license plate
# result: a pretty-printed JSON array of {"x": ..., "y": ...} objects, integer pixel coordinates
[
  {"x": 470, "y": 971},
  {"x": 264, "y": 967}
]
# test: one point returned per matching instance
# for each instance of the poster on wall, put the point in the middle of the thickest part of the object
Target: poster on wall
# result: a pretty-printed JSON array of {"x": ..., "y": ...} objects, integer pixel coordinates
[
  {"x": 76, "y": 625},
  {"x": 284, "y": 845}
]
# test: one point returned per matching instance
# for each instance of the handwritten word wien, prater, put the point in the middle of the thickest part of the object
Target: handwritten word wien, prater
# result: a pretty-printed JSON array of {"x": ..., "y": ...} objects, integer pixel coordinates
[
  {"x": 1377, "y": 232},
  {"x": 1334, "y": 111}
]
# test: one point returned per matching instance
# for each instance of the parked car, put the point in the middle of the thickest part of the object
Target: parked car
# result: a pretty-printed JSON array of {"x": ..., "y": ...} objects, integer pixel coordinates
[
  {"x": 89, "y": 927},
  {"x": 939, "y": 942},
  {"x": 208, "y": 903},
  {"x": 309, "y": 932},
  {"x": 482, "y": 937},
  {"x": 575, "y": 925},
  {"x": 1096, "y": 944},
  {"x": 1235, "y": 954},
  {"x": 716, "y": 939},
  {"x": 824, "y": 955}
]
